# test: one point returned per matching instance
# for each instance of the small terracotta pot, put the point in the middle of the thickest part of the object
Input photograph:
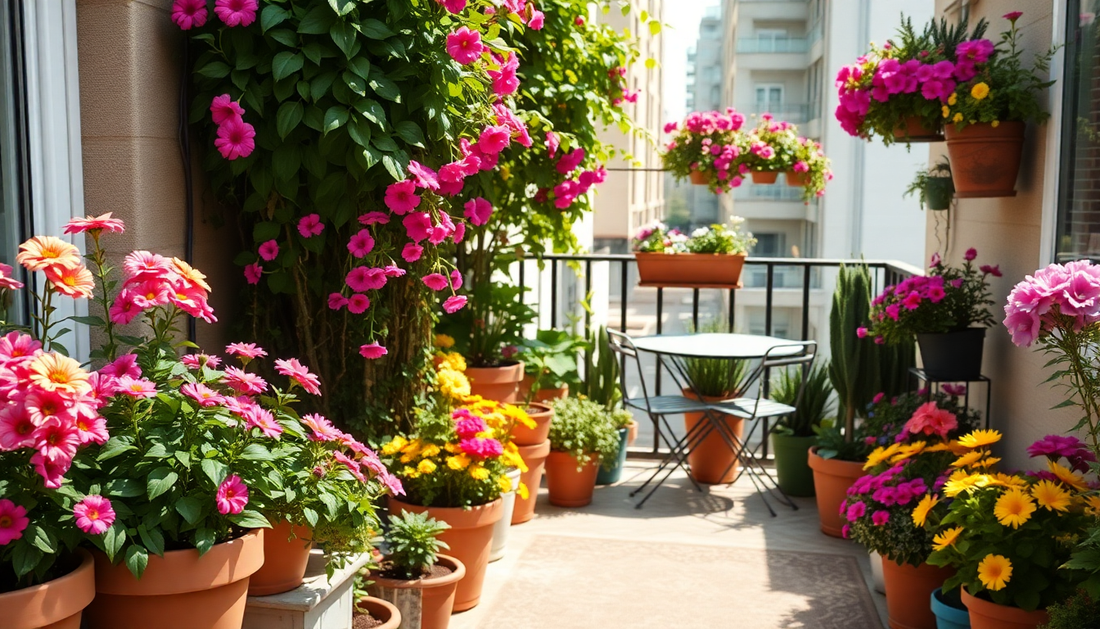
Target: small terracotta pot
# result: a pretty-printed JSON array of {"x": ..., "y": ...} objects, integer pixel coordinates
[
  {"x": 989, "y": 615},
  {"x": 180, "y": 590},
  {"x": 832, "y": 479},
  {"x": 909, "y": 593},
  {"x": 699, "y": 178},
  {"x": 381, "y": 610},
  {"x": 544, "y": 394},
  {"x": 914, "y": 130},
  {"x": 55, "y": 604},
  {"x": 542, "y": 416},
  {"x": 764, "y": 177},
  {"x": 535, "y": 459},
  {"x": 470, "y": 540},
  {"x": 631, "y": 433},
  {"x": 569, "y": 486},
  {"x": 704, "y": 270},
  {"x": 796, "y": 179},
  {"x": 710, "y": 457},
  {"x": 985, "y": 159},
  {"x": 285, "y": 560},
  {"x": 500, "y": 384},
  {"x": 423, "y": 603}
]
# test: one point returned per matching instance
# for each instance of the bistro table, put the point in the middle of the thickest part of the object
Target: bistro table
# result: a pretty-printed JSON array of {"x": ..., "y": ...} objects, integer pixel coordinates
[{"x": 673, "y": 350}]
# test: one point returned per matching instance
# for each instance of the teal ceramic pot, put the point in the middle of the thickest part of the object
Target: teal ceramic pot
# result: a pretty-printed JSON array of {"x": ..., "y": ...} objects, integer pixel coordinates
[
  {"x": 612, "y": 476},
  {"x": 791, "y": 464},
  {"x": 949, "y": 610}
]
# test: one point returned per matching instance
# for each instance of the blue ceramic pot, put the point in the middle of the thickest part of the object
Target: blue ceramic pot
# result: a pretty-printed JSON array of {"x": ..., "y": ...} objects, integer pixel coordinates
[
  {"x": 612, "y": 476},
  {"x": 949, "y": 614}
]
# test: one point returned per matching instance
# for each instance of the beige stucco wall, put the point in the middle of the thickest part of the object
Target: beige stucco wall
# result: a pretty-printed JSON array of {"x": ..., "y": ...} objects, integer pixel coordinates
[
  {"x": 130, "y": 56},
  {"x": 1007, "y": 231}
]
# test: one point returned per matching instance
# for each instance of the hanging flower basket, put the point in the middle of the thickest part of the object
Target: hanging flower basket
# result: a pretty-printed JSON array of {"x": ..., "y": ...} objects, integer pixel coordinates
[
  {"x": 915, "y": 129},
  {"x": 764, "y": 177},
  {"x": 700, "y": 178}
]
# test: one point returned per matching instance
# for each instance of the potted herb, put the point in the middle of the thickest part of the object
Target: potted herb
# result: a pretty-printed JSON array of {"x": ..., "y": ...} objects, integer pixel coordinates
[
  {"x": 946, "y": 311},
  {"x": 794, "y": 435},
  {"x": 583, "y": 436},
  {"x": 933, "y": 187},
  {"x": 988, "y": 110},
  {"x": 705, "y": 149},
  {"x": 550, "y": 364},
  {"x": 413, "y": 575},
  {"x": 712, "y": 256}
]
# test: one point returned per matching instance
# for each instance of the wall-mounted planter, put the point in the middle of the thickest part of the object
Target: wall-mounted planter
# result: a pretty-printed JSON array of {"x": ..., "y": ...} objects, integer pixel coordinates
[
  {"x": 914, "y": 130},
  {"x": 699, "y": 177},
  {"x": 985, "y": 159},
  {"x": 938, "y": 192},
  {"x": 764, "y": 177}
]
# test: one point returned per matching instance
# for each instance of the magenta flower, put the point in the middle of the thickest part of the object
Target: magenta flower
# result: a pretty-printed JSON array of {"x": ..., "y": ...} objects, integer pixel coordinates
[
  {"x": 878, "y": 518},
  {"x": 372, "y": 351},
  {"x": 477, "y": 211},
  {"x": 139, "y": 388},
  {"x": 224, "y": 109},
  {"x": 252, "y": 274},
  {"x": 1013, "y": 16},
  {"x": 552, "y": 143},
  {"x": 244, "y": 382},
  {"x": 401, "y": 197},
  {"x": 412, "y": 252},
  {"x": 418, "y": 226},
  {"x": 188, "y": 14},
  {"x": 361, "y": 243},
  {"x": 465, "y": 45},
  {"x": 310, "y": 225},
  {"x": 269, "y": 250},
  {"x": 494, "y": 139},
  {"x": 856, "y": 511},
  {"x": 538, "y": 19},
  {"x": 337, "y": 301},
  {"x": 124, "y": 365},
  {"x": 248, "y": 351},
  {"x": 321, "y": 428},
  {"x": 370, "y": 218},
  {"x": 570, "y": 161},
  {"x": 423, "y": 176},
  {"x": 12, "y": 521},
  {"x": 454, "y": 303},
  {"x": 861, "y": 332},
  {"x": 256, "y": 417},
  {"x": 94, "y": 514},
  {"x": 481, "y": 448},
  {"x": 454, "y": 6},
  {"x": 469, "y": 426},
  {"x": 970, "y": 254},
  {"x": 456, "y": 279},
  {"x": 434, "y": 281},
  {"x": 236, "y": 138},
  {"x": 364, "y": 278},
  {"x": 299, "y": 374},
  {"x": 358, "y": 303},
  {"x": 505, "y": 81},
  {"x": 232, "y": 495},
  {"x": 202, "y": 394},
  {"x": 236, "y": 12}
]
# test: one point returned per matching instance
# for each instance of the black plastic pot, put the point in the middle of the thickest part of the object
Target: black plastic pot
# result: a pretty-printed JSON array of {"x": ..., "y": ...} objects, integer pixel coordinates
[
  {"x": 952, "y": 356},
  {"x": 938, "y": 192}
]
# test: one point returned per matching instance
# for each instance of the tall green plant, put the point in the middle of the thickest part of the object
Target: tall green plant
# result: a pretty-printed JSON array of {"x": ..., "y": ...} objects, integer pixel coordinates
[
  {"x": 601, "y": 372},
  {"x": 715, "y": 377},
  {"x": 814, "y": 405}
]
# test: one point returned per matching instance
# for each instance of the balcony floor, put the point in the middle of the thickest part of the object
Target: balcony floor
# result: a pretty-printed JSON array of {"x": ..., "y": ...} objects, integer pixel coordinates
[{"x": 685, "y": 560}]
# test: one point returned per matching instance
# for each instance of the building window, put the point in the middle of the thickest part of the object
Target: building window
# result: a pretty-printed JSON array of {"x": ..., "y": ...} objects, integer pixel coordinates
[
  {"x": 13, "y": 151},
  {"x": 1078, "y": 228},
  {"x": 769, "y": 245}
]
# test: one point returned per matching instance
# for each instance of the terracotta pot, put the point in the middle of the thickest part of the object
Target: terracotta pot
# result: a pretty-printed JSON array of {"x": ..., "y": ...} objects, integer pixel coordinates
[
  {"x": 832, "y": 479},
  {"x": 542, "y": 415},
  {"x": 985, "y": 159},
  {"x": 544, "y": 394},
  {"x": 710, "y": 457},
  {"x": 763, "y": 177},
  {"x": 569, "y": 486},
  {"x": 500, "y": 384},
  {"x": 631, "y": 433},
  {"x": 535, "y": 458},
  {"x": 989, "y": 615},
  {"x": 180, "y": 590},
  {"x": 470, "y": 539},
  {"x": 704, "y": 270},
  {"x": 285, "y": 560},
  {"x": 381, "y": 610},
  {"x": 500, "y": 529},
  {"x": 914, "y": 130},
  {"x": 796, "y": 179},
  {"x": 424, "y": 603},
  {"x": 909, "y": 593},
  {"x": 55, "y": 604},
  {"x": 700, "y": 178}
]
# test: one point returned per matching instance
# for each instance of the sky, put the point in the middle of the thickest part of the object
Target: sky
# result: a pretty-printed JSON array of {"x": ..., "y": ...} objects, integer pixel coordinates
[{"x": 682, "y": 18}]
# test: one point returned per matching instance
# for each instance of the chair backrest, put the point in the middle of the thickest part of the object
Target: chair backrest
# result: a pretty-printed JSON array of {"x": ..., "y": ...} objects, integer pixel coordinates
[
  {"x": 623, "y": 345},
  {"x": 781, "y": 356}
]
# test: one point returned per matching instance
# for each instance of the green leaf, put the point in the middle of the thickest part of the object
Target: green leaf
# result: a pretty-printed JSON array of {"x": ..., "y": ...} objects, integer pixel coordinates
[
  {"x": 204, "y": 540},
  {"x": 137, "y": 558},
  {"x": 355, "y": 83},
  {"x": 216, "y": 471},
  {"x": 394, "y": 167},
  {"x": 342, "y": 7},
  {"x": 410, "y": 132},
  {"x": 330, "y": 504},
  {"x": 290, "y": 114},
  {"x": 190, "y": 508},
  {"x": 654, "y": 27},
  {"x": 113, "y": 540},
  {"x": 215, "y": 70},
  {"x": 256, "y": 452},
  {"x": 272, "y": 16},
  {"x": 385, "y": 143},
  {"x": 310, "y": 516},
  {"x": 114, "y": 447},
  {"x": 285, "y": 37},
  {"x": 152, "y": 538},
  {"x": 359, "y": 132},
  {"x": 41, "y": 539},
  {"x": 286, "y": 63},
  {"x": 360, "y": 66},
  {"x": 375, "y": 29},
  {"x": 265, "y": 231},
  {"x": 184, "y": 457},
  {"x": 24, "y": 559},
  {"x": 387, "y": 89},
  {"x": 249, "y": 520},
  {"x": 343, "y": 35},
  {"x": 321, "y": 85},
  {"x": 317, "y": 21},
  {"x": 160, "y": 481},
  {"x": 372, "y": 110},
  {"x": 123, "y": 488},
  {"x": 93, "y": 321},
  {"x": 335, "y": 118}
]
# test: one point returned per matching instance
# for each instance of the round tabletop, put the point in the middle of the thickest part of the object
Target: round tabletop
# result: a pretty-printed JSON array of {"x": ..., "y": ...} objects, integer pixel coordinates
[{"x": 716, "y": 345}]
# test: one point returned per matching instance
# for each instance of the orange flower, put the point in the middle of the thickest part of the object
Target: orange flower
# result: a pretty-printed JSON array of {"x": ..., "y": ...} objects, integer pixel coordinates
[
  {"x": 75, "y": 281},
  {"x": 54, "y": 372},
  {"x": 191, "y": 274},
  {"x": 42, "y": 252}
]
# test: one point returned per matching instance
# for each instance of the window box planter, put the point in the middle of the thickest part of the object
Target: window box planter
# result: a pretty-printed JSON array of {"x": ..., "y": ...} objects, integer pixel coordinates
[
  {"x": 764, "y": 177},
  {"x": 705, "y": 270}
]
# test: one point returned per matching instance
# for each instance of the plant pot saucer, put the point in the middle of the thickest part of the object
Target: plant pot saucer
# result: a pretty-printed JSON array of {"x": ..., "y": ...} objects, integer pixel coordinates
[
  {"x": 936, "y": 137},
  {"x": 740, "y": 284},
  {"x": 985, "y": 195}
]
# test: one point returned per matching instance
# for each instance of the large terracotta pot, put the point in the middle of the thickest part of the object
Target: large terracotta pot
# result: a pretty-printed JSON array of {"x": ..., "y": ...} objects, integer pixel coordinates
[
  {"x": 762, "y": 177},
  {"x": 832, "y": 479},
  {"x": 500, "y": 384},
  {"x": 285, "y": 560},
  {"x": 909, "y": 593},
  {"x": 796, "y": 179},
  {"x": 470, "y": 540},
  {"x": 989, "y": 615},
  {"x": 380, "y": 610},
  {"x": 985, "y": 159},
  {"x": 535, "y": 459},
  {"x": 699, "y": 177},
  {"x": 55, "y": 604},
  {"x": 568, "y": 485},
  {"x": 423, "y": 603},
  {"x": 544, "y": 394},
  {"x": 542, "y": 416},
  {"x": 500, "y": 529},
  {"x": 180, "y": 590},
  {"x": 707, "y": 270},
  {"x": 711, "y": 457},
  {"x": 914, "y": 130}
]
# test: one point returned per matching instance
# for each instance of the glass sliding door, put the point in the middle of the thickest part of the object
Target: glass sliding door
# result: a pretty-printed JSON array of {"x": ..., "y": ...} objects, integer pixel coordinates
[{"x": 14, "y": 217}]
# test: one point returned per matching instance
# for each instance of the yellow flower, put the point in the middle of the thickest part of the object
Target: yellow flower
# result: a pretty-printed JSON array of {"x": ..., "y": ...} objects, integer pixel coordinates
[
  {"x": 523, "y": 492},
  {"x": 394, "y": 446},
  {"x": 920, "y": 514},
  {"x": 426, "y": 467},
  {"x": 995, "y": 124},
  {"x": 994, "y": 571},
  {"x": 1067, "y": 476},
  {"x": 880, "y": 454},
  {"x": 971, "y": 481},
  {"x": 980, "y": 438},
  {"x": 409, "y": 472},
  {"x": 904, "y": 452},
  {"x": 1013, "y": 508},
  {"x": 429, "y": 451},
  {"x": 957, "y": 118},
  {"x": 1093, "y": 503},
  {"x": 979, "y": 91},
  {"x": 987, "y": 462},
  {"x": 505, "y": 172},
  {"x": 505, "y": 484},
  {"x": 969, "y": 458},
  {"x": 954, "y": 98},
  {"x": 459, "y": 462},
  {"x": 443, "y": 341},
  {"x": 411, "y": 451},
  {"x": 1050, "y": 496},
  {"x": 946, "y": 538},
  {"x": 478, "y": 472},
  {"x": 946, "y": 111},
  {"x": 942, "y": 446},
  {"x": 1008, "y": 480},
  {"x": 452, "y": 447}
]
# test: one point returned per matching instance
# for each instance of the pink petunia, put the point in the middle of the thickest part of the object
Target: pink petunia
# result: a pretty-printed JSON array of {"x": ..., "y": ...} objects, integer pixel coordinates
[
  {"x": 538, "y": 19},
  {"x": 370, "y": 218},
  {"x": 454, "y": 303},
  {"x": 423, "y": 176},
  {"x": 411, "y": 252},
  {"x": 94, "y": 514},
  {"x": 232, "y": 496},
  {"x": 434, "y": 281},
  {"x": 464, "y": 45},
  {"x": 236, "y": 12},
  {"x": 401, "y": 197},
  {"x": 570, "y": 161},
  {"x": 300, "y": 374},
  {"x": 13, "y": 520},
  {"x": 364, "y": 278},
  {"x": 269, "y": 250},
  {"x": 252, "y": 274},
  {"x": 188, "y": 14},
  {"x": 372, "y": 351},
  {"x": 494, "y": 139},
  {"x": 456, "y": 279},
  {"x": 336, "y": 301},
  {"x": 418, "y": 226},
  {"x": 223, "y": 109},
  {"x": 505, "y": 80},
  {"x": 236, "y": 138},
  {"x": 454, "y": 6},
  {"x": 358, "y": 303},
  {"x": 478, "y": 211},
  {"x": 361, "y": 243},
  {"x": 552, "y": 143},
  {"x": 310, "y": 225}
]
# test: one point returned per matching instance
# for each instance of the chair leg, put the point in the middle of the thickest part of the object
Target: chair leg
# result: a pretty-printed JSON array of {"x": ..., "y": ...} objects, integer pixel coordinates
[{"x": 677, "y": 457}]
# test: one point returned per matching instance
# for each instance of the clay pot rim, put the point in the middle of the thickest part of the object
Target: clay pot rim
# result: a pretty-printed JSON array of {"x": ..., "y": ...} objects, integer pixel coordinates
[
  {"x": 1002, "y": 612},
  {"x": 394, "y": 619},
  {"x": 544, "y": 413},
  {"x": 22, "y": 601},
  {"x": 535, "y": 451},
  {"x": 684, "y": 255},
  {"x": 458, "y": 572},
  {"x": 506, "y": 372},
  {"x": 832, "y": 466},
  {"x": 235, "y": 558},
  {"x": 986, "y": 129},
  {"x": 460, "y": 517}
]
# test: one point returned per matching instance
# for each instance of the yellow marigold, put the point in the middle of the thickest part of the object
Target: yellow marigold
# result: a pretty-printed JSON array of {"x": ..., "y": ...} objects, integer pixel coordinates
[
  {"x": 518, "y": 416},
  {"x": 411, "y": 451},
  {"x": 920, "y": 513},
  {"x": 1067, "y": 476},
  {"x": 452, "y": 447},
  {"x": 443, "y": 341},
  {"x": 979, "y": 91},
  {"x": 1093, "y": 503},
  {"x": 394, "y": 446},
  {"x": 453, "y": 361},
  {"x": 505, "y": 484},
  {"x": 957, "y": 118},
  {"x": 478, "y": 472},
  {"x": 994, "y": 571},
  {"x": 946, "y": 111},
  {"x": 453, "y": 385},
  {"x": 946, "y": 538},
  {"x": 410, "y": 472},
  {"x": 880, "y": 454},
  {"x": 971, "y": 481},
  {"x": 980, "y": 438},
  {"x": 969, "y": 458},
  {"x": 1013, "y": 508},
  {"x": 458, "y": 462},
  {"x": 426, "y": 466},
  {"x": 954, "y": 98},
  {"x": 431, "y": 450},
  {"x": 1050, "y": 496},
  {"x": 513, "y": 460}
]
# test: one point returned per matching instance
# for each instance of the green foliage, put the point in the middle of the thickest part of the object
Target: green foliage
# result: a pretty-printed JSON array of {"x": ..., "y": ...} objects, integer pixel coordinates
[
  {"x": 413, "y": 543},
  {"x": 716, "y": 377},
  {"x": 815, "y": 405},
  {"x": 491, "y": 326},
  {"x": 601, "y": 372},
  {"x": 1079, "y": 611},
  {"x": 925, "y": 179},
  {"x": 586, "y": 430},
  {"x": 551, "y": 360},
  {"x": 854, "y": 370}
]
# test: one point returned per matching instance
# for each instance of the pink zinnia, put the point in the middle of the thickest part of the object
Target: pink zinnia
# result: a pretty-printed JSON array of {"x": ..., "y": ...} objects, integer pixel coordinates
[
  {"x": 197, "y": 361},
  {"x": 310, "y": 225},
  {"x": 93, "y": 223},
  {"x": 252, "y": 274},
  {"x": 244, "y": 382},
  {"x": 478, "y": 211},
  {"x": 454, "y": 303},
  {"x": 140, "y": 388},
  {"x": 361, "y": 243},
  {"x": 245, "y": 350},
  {"x": 321, "y": 429},
  {"x": 236, "y": 12},
  {"x": 223, "y": 109},
  {"x": 94, "y": 514},
  {"x": 299, "y": 373},
  {"x": 465, "y": 45},
  {"x": 358, "y": 303},
  {"x": 236, "y": 138},
  {"x": 372, "y": 351},
  {"x": 435, "y": 281},
  {"x": 125, "y": 365},
  {"x": 16, "y": 428},
  {"x": 401, "y": 197},
  {"x": 202, "y": 394},
  {"x": 232, "y": 495},
  {"x": 188, "y": 14},
  {"x": 13, "y": 519},
  {"x": 269, "y": 250},
  {"x": 124, "y": 309}
]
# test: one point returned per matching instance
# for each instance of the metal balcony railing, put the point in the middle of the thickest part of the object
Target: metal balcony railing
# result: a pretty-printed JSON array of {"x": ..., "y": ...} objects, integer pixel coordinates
[{"x": 754, "y": 45}]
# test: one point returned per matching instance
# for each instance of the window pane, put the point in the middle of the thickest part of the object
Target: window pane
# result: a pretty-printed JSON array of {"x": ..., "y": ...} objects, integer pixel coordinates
[{"x": 12, "y": 160}]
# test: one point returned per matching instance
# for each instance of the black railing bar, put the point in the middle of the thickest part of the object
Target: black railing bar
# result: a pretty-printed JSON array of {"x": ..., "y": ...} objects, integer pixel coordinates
[
  {"x": 554, "y": 294},
  {"x": 902, "y": 267},
  {"x": 588, "y": 309},
  {"x": 768, "y": 299},
  {"x": 695, "y": 309},
  {"x": 522, "y": 278},
  {"x": 806, "y": 303}
]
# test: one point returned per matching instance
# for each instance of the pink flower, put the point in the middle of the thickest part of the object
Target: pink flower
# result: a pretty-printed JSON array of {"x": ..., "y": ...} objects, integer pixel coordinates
[
  {"x": 465, "y": 45},
  {"x": 929, "y": 419},
  {"x": 236, "y": 138},
  {"x": 878, "y": 518},
  {"x": 249, "y": 351},
  {"x": 269, "y": 250},
  {"x": 94, "y": 514},
  {"x": 244, "y": 382},
  {"x": 370, "y": 218},
  {"x": 494, "y": 139},
  {"x": 454, "y": 6},
  {"x": 13, "y": 519},
  {"x": 970, "y": 254},
  {"x": 90, "y": 224},
  {"x": 361, "y": 243},
  {"x": 372, "y": 351},
  {"x": 299, "y": 373},
  {"x": 460, "y": 232},
  {"x": 196, "y": 361},
  {"x": 358, "y": 303},
  {"x": 469, "y": 426},
  {"x": 6, "y": 280},
  {"x": 481, "y": 448},
  {"x": 188, "y": 14},
  {"x": 232, "y": 495},
  {"x": 236, "y": 12},
  {"x": 401, "y": 197},
  {"x": 856, "y": 511},
  {"x": 124, "y": 365},
  {"x": 321, "y": 429},
  {"x": 52, "y": 470},
  {"x": 994, "y": 270},
  {"x": 912, "y": 300},
  {"x": 411, "y": 252},
  {"x": 223, "y": 108},
  {"x": 478, "y": 211},
  {"x": 202, "y": 394},
  {"x": 252, "y": 274},
  {"x": 310, "y": 225},
  {"x": 256, "y": 417},
  {"x": 552, "y": 143},
  {"x": 435, "y": 281},
  {"x": 454, "y": 303},
  {"x": 456, "y": 279},
  {"x": 337, "y": 301},
  {"x": 861, "y": 332},
  {"x": 570, "y": 161},
  {"x": 1013, "y": 16},
  {"x": 538, "y": 19},
  {"x": 505, "y": 81},
  {"x": 364, "y": 278},
  {"x": 418, "y": 226},
  {"x": 423, "y": 176},
  {"x": 16, "y": 428},
  {"x": 139, "y": 388}
]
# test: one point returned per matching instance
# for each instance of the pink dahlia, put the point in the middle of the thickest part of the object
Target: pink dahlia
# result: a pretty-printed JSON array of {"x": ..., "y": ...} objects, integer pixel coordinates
[
  {"x": 94, "y": 514},
  {"x": 232, "y": 496}
]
